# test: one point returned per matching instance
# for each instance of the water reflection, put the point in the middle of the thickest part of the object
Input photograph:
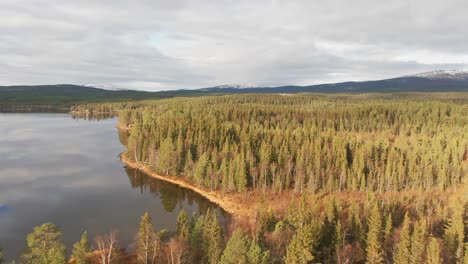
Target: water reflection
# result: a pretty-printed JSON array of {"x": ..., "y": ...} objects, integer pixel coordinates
[
  {"x": 92, "y": 116},
  {"x": 67, "y": 171},
  {"x": 170, "y": 195}
]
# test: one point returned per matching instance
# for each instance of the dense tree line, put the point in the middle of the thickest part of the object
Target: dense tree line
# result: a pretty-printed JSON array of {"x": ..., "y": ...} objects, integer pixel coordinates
[
  {"x": 198, "y": 239},
  {"x": 363, "y": 179},
  {"x": 402, "y": 161},
  {"x": 235, "y": 143},
  {"x": 312, "y": 231}
]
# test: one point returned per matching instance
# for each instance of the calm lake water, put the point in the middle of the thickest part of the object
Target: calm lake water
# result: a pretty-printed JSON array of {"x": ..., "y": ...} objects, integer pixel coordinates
[{"x": 54, "y": 168}]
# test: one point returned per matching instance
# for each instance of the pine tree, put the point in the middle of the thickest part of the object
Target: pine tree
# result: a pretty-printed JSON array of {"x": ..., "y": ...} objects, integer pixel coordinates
[
  {"x": 214, "y": 236},
  {"x": 256, "y": 255},
  {"x": 418, "y": 241},
  {"x": 433, "y": 252},
  {"x": 81, "y": 250},
  {"x": 201, "y": 169},
  {"x": 300, "y": 249},
  {"x": 402, "y": 252},
  {"x": 338, "y": 240},
  {"x": 45, "y": 245},
  {"x": 388, "y": 237},
  {"x": 388, "y": 226},
  {"x": 167, "y": 157},
  {"x": 147, "y": 242},
  {"x": 183, "y": 225},
  {"x": 374, "y": 241},
  {"x": 241, "y": 174},
  {"x": 236, "y": 249},
  {"x": 454, "y": 235}
]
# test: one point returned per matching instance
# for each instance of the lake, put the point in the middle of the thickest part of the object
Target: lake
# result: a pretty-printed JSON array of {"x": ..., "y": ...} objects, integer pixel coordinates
[{"x": 54, "y": 168}]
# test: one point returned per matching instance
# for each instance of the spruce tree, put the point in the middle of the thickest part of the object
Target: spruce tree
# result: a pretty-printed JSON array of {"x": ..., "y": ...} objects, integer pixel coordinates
[
  {"x": 433, "y": 252},
  {"x": 81, "y": 250},
  {"x": 388, "y": 228},
  {"x": 147, "y": 242},
  {"x": 454, "y": 235},
  {"x": 236, "y": 249},
  {"x": 241, "y": 174},
  {"x": 418, "y": 241},
  {"x": 183, "y": 226},
  {"x": 214, "y": 236},
  {"x": 256, "y": 255},
  {"x": 402, "y": 251},
  {"x": 338, "y": 240},
  {"x": 45, "y": 245},
  {"x": 374, "y": 240},
  {"x": 300, "y": 249},
  {"x": 167, "y": 162}
]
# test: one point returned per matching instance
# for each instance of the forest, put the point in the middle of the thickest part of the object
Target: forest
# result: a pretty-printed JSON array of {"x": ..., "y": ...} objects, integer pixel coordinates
[
  {"x": 60, "y": 97},
  {"x": 363, "y": 178},
  {"x": 202, "y": 234},
  {"x": 360, "y": 178}
]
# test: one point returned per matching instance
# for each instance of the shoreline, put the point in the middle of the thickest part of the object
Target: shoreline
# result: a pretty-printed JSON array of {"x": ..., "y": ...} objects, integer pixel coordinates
[{"x": 227, "y": 202}]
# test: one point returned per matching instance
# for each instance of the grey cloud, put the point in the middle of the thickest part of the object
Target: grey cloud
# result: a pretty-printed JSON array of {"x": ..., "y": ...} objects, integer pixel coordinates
[{"x": 161, "y": 45}]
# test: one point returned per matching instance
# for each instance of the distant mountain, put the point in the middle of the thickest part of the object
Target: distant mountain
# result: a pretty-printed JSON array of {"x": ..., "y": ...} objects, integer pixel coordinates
[
  {"x": 64, "y": 95},
  {"x": 230, "y": 86},
  {"x": 443, "y": 75},
  {"x": 435, "y": 81}
]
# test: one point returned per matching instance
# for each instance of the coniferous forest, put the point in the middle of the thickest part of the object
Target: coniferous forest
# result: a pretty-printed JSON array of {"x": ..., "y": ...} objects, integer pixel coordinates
[
  {"x": 338, "y": 179},
  {"x": 323, "y": 179}
]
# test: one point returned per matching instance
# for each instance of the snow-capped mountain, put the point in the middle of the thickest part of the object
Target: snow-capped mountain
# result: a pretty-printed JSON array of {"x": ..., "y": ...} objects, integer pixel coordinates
[
  {"x": 236, "y": 86},
  {"x": 232, "y": 88},
  {"x": 434, "y": 81},
  {"x": 100, "y": 86},
  {"x": 443, "y": 75},
  {"x": 106, "y": 87}
]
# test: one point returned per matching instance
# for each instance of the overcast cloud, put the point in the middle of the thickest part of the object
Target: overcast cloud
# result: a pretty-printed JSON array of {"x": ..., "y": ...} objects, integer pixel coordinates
[{"x": 171, "y": 44}]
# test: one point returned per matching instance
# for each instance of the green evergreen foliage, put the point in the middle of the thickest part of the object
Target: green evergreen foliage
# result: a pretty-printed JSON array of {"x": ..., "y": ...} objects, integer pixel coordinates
[
  {"x": 45, "y": 245},
  {"x": 236, "y": 249},
  {"x": 418, "y": 241},
  {"x": 352, "y": 165},
  {"x": 388, "y": 239},
  {"x": 256, "y": 255},
  {"x": 81, "y": 250},
  {"x": 454, "y": 235},
  {"x": 240, "y": 249},
  {"x": 433, "y": 251},
  {"x": 403, "y": 252},
  {"x": 147, "y": 242},
  {"x": 305, "y": 143},
  {"x": 213, "y": 237},
  {"x": 183, "y": 226},
  {"x": 167, "y": 159},
  {"x": 374, "y": 237},
  {"x": 301, "y": 248}
]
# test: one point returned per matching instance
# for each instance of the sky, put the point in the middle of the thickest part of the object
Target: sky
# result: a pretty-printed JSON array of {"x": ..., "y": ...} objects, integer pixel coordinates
[{"x": 182, "y": 44}]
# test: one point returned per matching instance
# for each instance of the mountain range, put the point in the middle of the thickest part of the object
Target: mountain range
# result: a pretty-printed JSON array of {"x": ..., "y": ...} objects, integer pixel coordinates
[
  {"x": 434, "y": 81},
  {"x": 67, "y": 94}
]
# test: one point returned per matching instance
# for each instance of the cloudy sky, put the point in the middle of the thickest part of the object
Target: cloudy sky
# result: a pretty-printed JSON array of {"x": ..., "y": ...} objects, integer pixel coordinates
[{"x": 163, "y": 45}]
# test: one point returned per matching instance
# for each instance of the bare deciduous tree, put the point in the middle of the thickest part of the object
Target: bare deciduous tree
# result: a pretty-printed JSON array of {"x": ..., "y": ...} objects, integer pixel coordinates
[
  {"x": 107, "y": 247},
  {"x": 176, "y": 248}
]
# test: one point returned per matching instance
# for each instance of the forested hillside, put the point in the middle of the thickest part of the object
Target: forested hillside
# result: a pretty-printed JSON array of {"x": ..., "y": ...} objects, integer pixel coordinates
[
  {"x": 59, "y": 98},
  {"x": 362, "y": 178}
]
